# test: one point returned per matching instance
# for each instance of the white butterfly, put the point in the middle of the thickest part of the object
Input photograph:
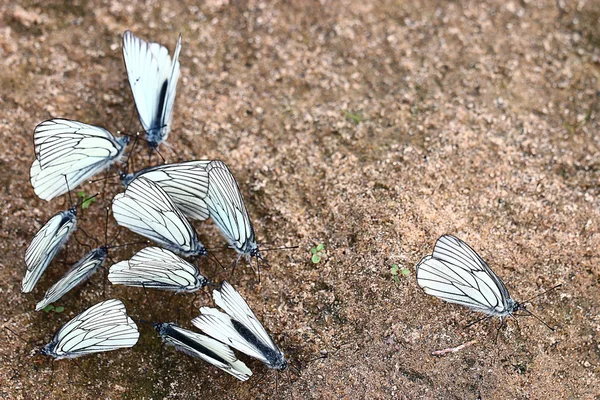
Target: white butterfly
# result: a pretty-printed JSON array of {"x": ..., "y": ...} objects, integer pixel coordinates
[
  {"x": 46, "y": 244},
  {"x": 239, "y": 328},
  {"x": 69, "y": 152},
  {"x": 205, "y": 348},
  {"x": 146, "y": 209},
  {"x": 228, "y": 211},
  {"x": 457, "y": 274},
  {"x": 157, "y": 268},
  {"x": 153, "y": 79},
  {"x": 186, "y": 184},
  {"x": 78, "y": 273},
  {"x": 103, "y": 327}
]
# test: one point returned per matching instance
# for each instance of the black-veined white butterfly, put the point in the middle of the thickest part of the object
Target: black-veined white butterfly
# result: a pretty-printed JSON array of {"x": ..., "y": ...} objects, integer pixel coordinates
[
  {"x": 146, "y": 209},
  {"x": 186, "y": 184},
  {"x": 200, "y": 346},
  {"x": 239, "y": 328},
  {"x": 46, "y": 244},
  {"x": 78, "y": 274},
  {"x": 103, "y": 327},
  {"x": 156, "y": 268},
  {"x": 69, "y": 152},
  {"x": 228, "y": 211},
  {"x": 153, "y": 79},
  {"x": 457, "y": 274}
]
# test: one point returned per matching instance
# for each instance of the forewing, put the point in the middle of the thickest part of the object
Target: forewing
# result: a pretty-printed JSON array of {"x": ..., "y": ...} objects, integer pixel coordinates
[
  {"x": 79, "y": 273},
  {"x": 227, "y": 208},
  {"x": 146, "y": 209},
  {"x": 231, "y": 365},
  {"x": 69, "y": 152},
  {"x": 185, "y": 183},
  {"x": 167, "y": 114},
  {"x": 455, "y": 273},
  {"x": 153, "y": 267},
  {"x": 236, "y": 307},
  {"x": 218, "y": 325},
  {"x": 153, "y": 80},
  {"x": 45, "y": 245},
  {"x": 103, "y": 327}
]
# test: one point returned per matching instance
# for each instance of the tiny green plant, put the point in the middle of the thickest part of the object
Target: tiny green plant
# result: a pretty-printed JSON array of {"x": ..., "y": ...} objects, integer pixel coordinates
[
  {"x": 573, "y": 128},
  {"x": 396, "y": 271},
  {"x": 356, "y": 118},
  {"x": 316, "y": 253},
  {"x": 87, "y": 200},
  {"x": 51, "y": 308}
]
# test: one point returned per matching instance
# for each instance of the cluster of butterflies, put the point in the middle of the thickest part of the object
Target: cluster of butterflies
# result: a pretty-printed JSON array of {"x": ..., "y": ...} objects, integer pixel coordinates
[{"x": 157, "y": 203}]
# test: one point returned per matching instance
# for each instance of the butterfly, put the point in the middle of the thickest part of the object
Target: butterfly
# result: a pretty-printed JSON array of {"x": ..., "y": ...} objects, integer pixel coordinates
[
  {"x": 78, "y": 273},
  {"x": 186, "y": 184},
  {"x": 146, "y": 209},
  {"x": 153, "y": 267},
  {"x": 200, "y": 346},
  {"x": 103, "y": 327},
  {"x": 239, "y": 328},
  {"x": 153, "y": 79},
  {"x": 457, "y": 274},
  {"x": 228, "y": 211},
  {"x": 46, "y": 244},
  {"x": 69, "y": 152}
]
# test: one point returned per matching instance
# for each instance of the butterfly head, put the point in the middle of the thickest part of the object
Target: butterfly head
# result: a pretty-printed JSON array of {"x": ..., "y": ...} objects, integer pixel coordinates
[{"x": 48, "y": 350}]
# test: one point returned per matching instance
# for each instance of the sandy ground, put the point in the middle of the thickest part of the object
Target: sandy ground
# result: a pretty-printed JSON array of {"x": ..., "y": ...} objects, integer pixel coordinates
[{"x": 472, "y": 118}]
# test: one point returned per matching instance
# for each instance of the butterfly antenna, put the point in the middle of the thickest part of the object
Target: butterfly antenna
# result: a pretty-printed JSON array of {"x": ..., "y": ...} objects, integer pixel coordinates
[
  {"x": 212, "y": 257},
  {"x": 149, "y": 303},
  {"x": 130, "y": 244},
  {"x": 103, "y": 179},
  {"x": 541, "y": 294},
  {"x": 106, "y": 228},
  {"x": 18, "y": 336},
  {"x": 280, "y": 248},
  {"x": 539, "y": 319},
  {"x": 69, "y": 192}
]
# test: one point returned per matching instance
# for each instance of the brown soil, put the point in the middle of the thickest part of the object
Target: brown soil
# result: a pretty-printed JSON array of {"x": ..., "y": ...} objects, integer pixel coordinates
[{"x": 477, "y": 119}]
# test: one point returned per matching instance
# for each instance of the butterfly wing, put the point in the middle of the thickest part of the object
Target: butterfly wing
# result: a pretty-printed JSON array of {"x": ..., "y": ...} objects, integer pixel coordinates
[
  {"x": 103, "y": 327},
  {"x": 79, "y": 273},
  {"x": 227, "y": 208},
  {"x": 146, "y": 209},
  {"x": 153, "y": 267},
  {"x": 185, "y": 183},
  {"x": 222, "y": 326},
  {"x": 153, "y": 79},
  {"x": 457, "y": 274},
  {"x": 45, "y": 245},
  {"x": 200, "y": 346},
  {"x": 69, "y": 152}
]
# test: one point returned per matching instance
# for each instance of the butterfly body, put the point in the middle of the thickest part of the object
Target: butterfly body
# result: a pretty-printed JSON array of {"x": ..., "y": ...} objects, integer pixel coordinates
[
  {"x": 68, "y": 153},
  {"x": 203, "y": 347},
  {"x": 457, "y": 274},
  {"x": 153, "y": 80},
  {"x": 102, "y": 327},
  {"x": 239, "y": 328},
  {"x": 157, "y": 268},
  {"x": 146, "y": 209}
]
